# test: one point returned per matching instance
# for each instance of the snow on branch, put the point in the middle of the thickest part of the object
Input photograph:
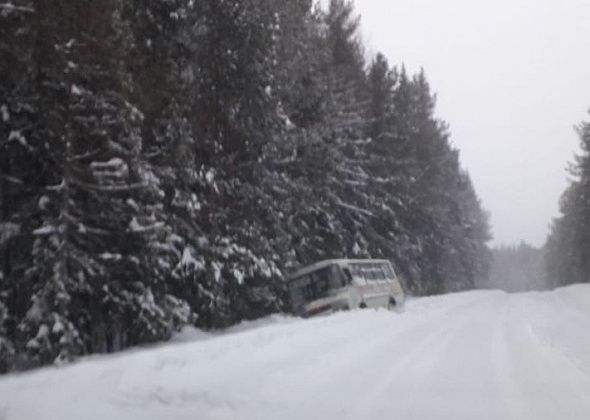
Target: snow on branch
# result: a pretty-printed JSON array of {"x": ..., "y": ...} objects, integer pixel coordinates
[
  {"x": 114, "y": 168},
  {"x": 355, "y": 209},
  {"x": 109, "y": 188},
  {"x": 9, "y": 7},
  {"x": 45, "y": 230},
  {"x": 135, "y": 226},
  {"x": 7, "y": 231},
  {"x": 11, "y": 179}
]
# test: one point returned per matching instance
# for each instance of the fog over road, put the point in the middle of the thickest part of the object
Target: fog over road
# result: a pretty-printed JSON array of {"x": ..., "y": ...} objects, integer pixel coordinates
[{"x": 474, "y": 355}]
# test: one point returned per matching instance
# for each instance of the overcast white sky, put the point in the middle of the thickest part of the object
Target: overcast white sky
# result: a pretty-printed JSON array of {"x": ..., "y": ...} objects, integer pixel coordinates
[{"x": 512, "y": 78}]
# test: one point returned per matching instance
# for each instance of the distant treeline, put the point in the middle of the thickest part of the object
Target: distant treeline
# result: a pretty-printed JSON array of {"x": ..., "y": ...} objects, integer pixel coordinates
[
  {"x": 568, "y": 245},
  {"x": 165, "y": 162},
  {"x": 517, "y": 269}
]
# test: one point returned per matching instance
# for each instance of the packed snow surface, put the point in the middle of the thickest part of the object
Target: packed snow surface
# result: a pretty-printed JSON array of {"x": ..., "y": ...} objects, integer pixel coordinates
[{"x": 475, "y": 355}]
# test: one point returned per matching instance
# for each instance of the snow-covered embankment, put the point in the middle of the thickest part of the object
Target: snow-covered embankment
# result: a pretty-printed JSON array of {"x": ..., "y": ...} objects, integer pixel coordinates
[{"x": 475, "y": 355}]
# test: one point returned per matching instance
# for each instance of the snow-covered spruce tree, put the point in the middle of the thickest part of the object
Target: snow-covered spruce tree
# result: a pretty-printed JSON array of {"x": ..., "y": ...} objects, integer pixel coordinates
[
  {"x": 166, "y": 35},
  {"x": 564, "y": 249},
  {"x": 172, "y": 39},
  {"x": 391, "y": 168},
  {"x": 375, "y": 174},
  {"x": 96, "y": 287},
  {"x": 562, "y": 256},
  {"x": 568, "y": 245},
  {"x": 343, "y": 39},
  {"x": 473, "y": 235},
  {"x": 403, "y": 129},
  {"x": 298, "y": 216},
  {"x": 431, "y": 193},
  {"x": 300, "y": 159},
  {"x": 19, "y": 152},
  {"x": 334, "y": 208},
  {"x": 6, "y": 344},
  {"x": 302, "y": 60},
  {"x": 440, "y": 209},
  {"x": 235, "y": 122}
]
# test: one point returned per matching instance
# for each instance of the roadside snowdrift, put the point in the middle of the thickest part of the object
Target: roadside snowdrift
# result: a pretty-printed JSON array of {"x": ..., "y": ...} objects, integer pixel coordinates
[{"x": 475, "y": 355}]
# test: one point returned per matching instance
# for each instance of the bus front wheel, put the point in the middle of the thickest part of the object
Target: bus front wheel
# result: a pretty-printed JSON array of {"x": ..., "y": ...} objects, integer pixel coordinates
[
  {"x": 363, "y": 305},
  {"x": 392, "y": 303}
]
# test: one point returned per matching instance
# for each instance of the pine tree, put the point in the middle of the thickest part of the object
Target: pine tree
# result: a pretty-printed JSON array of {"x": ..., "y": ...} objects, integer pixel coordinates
[
  {"x": 568, "y": 252},
  {"x": 343, "y": 38},
  {"x": 19, "y": 152},
  {"x": 164, "y": 37},
  {"x": 93, "y": 265},
  {"x": 339, "y": 211},
  {"x": 237, "y": 124},
  {"x": 391, "y": 168},
  {"x": 440, "y": 206},
  {"x": 302, "y": 59},
  {"x": 6, "y": 345}
]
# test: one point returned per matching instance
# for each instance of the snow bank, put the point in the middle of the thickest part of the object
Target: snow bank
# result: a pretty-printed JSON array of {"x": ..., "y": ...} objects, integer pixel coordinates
[{"x": 475, "y": 355}]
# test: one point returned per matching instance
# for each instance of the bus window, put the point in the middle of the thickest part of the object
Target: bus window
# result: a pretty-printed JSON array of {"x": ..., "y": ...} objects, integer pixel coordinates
[
  {"x": 321, "y": 281},
  {"x": 336, "y": 277},
  {"x": 299, "y": 291},
  {"x": 358, "y": 274},
  {"x": 389, "y": 274},
  {"x": 296, "y": 295},
  {"x": 378, "y": 272},
  {"x": 315, "y": 285},
  {"x": 302, "y": 288},
  {"x": 370, "y": 273},
  {"x": 347, "y": 279},
  {"x": 320, "y": 287}
]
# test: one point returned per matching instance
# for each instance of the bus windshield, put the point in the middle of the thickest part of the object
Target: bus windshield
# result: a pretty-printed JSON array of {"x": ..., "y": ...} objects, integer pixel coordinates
[{"x": 316, "y": 285}]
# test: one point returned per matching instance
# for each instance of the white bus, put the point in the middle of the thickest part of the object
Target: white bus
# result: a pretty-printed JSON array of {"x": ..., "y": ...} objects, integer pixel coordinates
[{"x": 333, "y": 285}]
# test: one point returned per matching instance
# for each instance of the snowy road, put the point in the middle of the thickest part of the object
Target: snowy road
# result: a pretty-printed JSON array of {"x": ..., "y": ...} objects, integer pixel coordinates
[{"x": 475, "y": 355}]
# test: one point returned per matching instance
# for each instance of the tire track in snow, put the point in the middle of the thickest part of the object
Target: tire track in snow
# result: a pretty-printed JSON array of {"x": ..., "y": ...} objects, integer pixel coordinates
[
  {"x": 512, "y": 401},
  {"x": 393, "y": 396},
  {"x": 478, "y": 355},
  {"x": 551, "y": 384}
]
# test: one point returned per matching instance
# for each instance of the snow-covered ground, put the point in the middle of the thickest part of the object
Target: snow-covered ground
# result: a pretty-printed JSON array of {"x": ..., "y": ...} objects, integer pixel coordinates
[{"x": 475, "y": 355}]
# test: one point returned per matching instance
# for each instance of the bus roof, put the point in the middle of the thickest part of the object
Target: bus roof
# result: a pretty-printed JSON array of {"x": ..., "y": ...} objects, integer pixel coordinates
[{"x": 326, "y": 263}]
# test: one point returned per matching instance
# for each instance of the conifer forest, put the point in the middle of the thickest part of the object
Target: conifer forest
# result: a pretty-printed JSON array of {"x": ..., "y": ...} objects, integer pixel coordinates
[{"x": 168, "y": 162}]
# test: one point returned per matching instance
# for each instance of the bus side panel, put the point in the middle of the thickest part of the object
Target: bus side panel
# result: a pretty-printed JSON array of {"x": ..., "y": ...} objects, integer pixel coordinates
[{"x": 338, "y": 302}]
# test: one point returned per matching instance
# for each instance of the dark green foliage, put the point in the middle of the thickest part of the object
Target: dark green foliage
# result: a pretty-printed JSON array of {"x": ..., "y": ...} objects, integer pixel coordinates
[
  {"x": 6, "y": 345},
  {"x": 431, "y": 214},
  {"x": 166, "y": 162},
  {"x": 22, "y": 167},
  {"x": 568, "y": 246},
  {"x": 343, "y": 38}
]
